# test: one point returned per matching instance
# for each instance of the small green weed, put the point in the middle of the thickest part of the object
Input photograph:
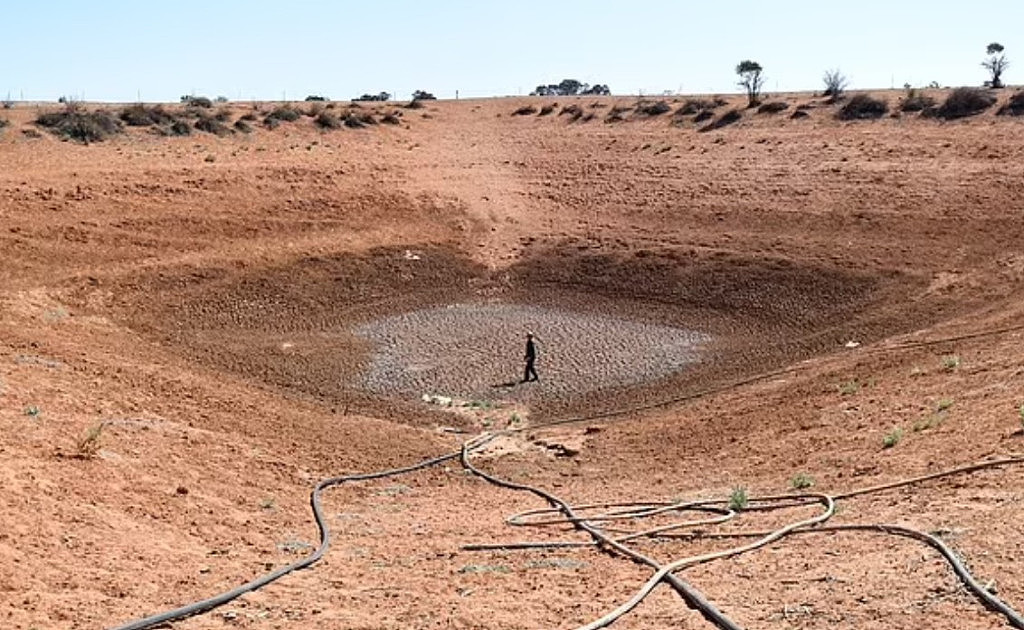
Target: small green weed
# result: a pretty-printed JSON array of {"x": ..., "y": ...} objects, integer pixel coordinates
[
  {"x": 849, "y": 387},
  {"x": 738, "y": 499},
  {"x": 892, "y": 438},
  {"x": 32, "y": 411},
  {"x": 944, "y": 404},
  {"x": 267, "y": 503},
  {"x": 950, "y": 362},
  {"x": 801, "y": 481}
]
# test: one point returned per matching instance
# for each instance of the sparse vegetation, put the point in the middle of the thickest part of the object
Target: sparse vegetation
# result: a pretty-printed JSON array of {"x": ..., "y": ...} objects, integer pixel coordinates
[
  {"x": 738, "y": 499},
  {"x": 316, "y": 98},
  {"x": 801, "y": 481},
  {"x": 415, "y": 104},
  {"x": 950, "y": 362},
  {"x": 863, "y": 107},
  {"x": 835, "y": 85},
  {"x": 892, "y": 438},
  {"x": 751, "y": 80},
  {"x": 525, "y": 110},
  {"x": 996, "y": 64},
  {"x": 32, "y": 411},
  {"x": 423, "y": 95},
  {"x": 546, "y": 110},
  {"x": 391, "y": 118},
  {"x": 963, "y": 102},
  {"x": 242, "y": 126}
]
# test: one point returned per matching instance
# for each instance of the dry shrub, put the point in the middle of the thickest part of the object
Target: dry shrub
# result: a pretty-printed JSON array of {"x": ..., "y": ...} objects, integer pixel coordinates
[
  {"x": 210, "y": 124},
  {"x": 773, "y": 107},
  {"x": 916, "y": 102},
  {"x": 391, "y": 118},
  {"x": 139, "y": 115},
  {"x": 863, "y": 107},
  {"x": 74, "y": 123},
  {"x": 701, "y": 116},
  {"x": 694, "y": 106},
  {"x": 327, "y": 120},
  {"x": 1013, "y": 107},
  {"x": 799, "y": 113},
  {"x": 243, "y": 126},
  {"x": 525, "y": 110},
  {"x": 283, "y": 113},
  {"x": 649, "y": 109},
  {"x": 575, "y": 112},
  {"x": 963, "y": 102},
  {"x": 726, "y": 119},
  {"x": 546, "y": 110}
]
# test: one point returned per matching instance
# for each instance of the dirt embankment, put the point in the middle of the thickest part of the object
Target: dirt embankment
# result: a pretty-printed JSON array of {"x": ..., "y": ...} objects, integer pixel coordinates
[{"x": 199, "y": 299}]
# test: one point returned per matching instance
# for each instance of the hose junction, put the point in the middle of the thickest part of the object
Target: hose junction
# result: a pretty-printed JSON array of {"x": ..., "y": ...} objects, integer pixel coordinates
[{"x": 611, "y": 526}]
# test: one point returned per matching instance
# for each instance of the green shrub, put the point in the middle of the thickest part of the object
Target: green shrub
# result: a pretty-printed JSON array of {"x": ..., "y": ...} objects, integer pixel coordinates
[
  {"x": 738, "y": 499},
  {"x": 892, "y": 438}
]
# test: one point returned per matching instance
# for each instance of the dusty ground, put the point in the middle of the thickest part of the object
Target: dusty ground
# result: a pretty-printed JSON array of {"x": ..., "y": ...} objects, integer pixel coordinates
[{"x": 200, "y": 299}]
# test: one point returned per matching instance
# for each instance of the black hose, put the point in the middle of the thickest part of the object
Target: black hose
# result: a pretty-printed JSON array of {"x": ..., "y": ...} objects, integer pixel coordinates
[{"x": 325, "y": 541}]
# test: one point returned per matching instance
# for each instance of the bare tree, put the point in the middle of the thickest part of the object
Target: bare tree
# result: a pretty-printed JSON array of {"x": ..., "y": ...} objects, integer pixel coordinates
[
  {"x": 751, "y": 80},
  {"x": 995, "y": 64},
  {"x": 835, "y": 84}
]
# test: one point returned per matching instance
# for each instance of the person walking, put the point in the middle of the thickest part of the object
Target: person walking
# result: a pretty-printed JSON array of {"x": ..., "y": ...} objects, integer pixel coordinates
[{"x": 530, "y": 373}]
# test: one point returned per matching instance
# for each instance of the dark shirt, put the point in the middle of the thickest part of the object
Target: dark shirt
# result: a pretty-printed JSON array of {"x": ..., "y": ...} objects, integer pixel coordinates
[{"x": 531, "y": 351}]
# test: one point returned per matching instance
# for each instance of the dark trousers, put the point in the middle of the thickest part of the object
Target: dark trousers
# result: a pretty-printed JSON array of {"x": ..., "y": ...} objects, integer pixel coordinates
[{"x": 530, "y": 371}]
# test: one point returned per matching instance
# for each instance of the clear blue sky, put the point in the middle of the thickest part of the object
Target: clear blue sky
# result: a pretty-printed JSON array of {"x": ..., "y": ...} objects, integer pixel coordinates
[{"x": 105, "y": 50}]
